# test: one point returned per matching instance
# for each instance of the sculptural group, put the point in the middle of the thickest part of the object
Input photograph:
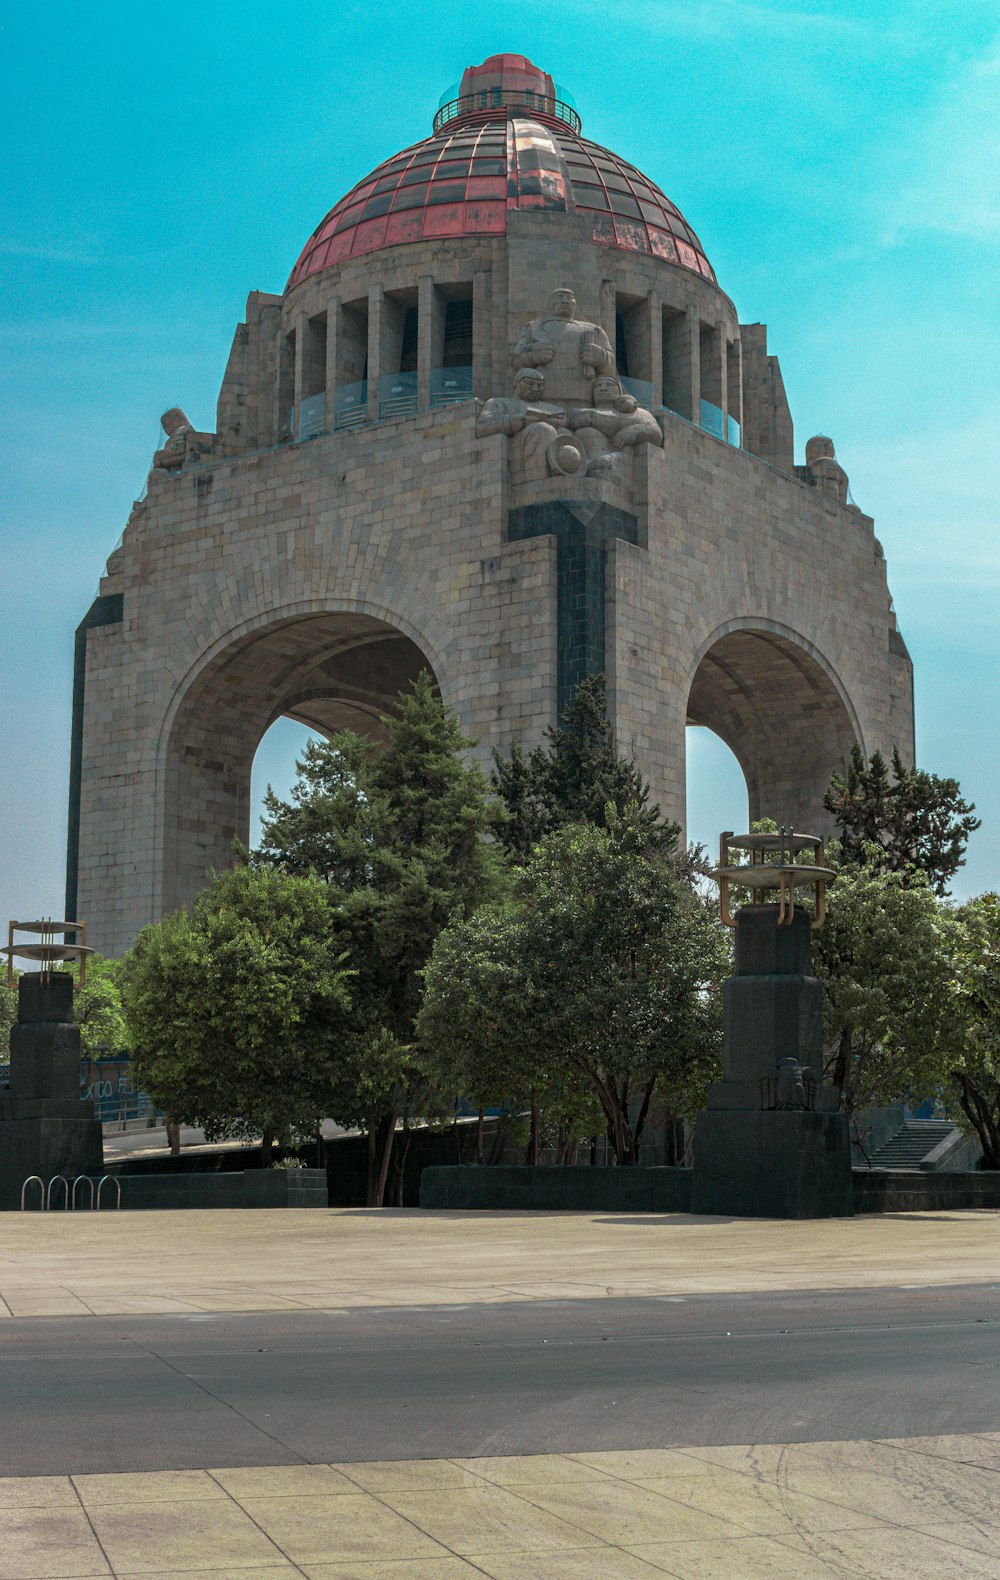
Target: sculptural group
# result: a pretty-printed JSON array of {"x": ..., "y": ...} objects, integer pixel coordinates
[{"x": 570, "y": 415}]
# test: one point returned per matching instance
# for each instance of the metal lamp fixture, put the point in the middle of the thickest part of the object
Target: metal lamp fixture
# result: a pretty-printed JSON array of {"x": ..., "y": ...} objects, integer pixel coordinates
[{"x": 772, "y": 865}]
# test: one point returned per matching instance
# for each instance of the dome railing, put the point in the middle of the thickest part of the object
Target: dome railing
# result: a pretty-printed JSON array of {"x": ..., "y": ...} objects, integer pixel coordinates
[{"x": 490, "y": 100}]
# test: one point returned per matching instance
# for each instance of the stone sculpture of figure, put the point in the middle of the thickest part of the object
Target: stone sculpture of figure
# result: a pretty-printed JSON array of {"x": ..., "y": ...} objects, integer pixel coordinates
[
  {"x": 613, "y": 423},
  {"x": 177, "y": 428},
  {"x": 825, "y": 470},
  {"x": 571, "y": 350},
  {"x": 542, "y": 444},
  {"x": 791, "y": 1090}
]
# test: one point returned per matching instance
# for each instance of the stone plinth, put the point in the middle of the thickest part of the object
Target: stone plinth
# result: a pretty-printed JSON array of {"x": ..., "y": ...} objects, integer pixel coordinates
[
  {"x": 761, "y": 1151},
  {"x": 45, "y": 1127}
]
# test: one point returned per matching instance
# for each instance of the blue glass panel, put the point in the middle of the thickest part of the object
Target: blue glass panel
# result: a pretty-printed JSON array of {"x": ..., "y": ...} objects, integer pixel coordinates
[
  {"x": 350, "y": 406},
  {"x": 733, "y": 431},
  {"x": 397, "y": 395},
  {"x": 449, "y": 385},
  {"x": 712, "y": 419}
]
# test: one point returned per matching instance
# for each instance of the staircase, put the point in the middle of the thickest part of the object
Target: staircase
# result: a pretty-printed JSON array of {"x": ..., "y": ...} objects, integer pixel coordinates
[{"x": 909, "y": 1146}]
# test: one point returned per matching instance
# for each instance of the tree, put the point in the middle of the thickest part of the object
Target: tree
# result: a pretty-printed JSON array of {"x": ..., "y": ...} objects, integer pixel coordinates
[
  {"x": 398, "y": 837},
  {"x": 909, "y": 823},
  {"x": 976, "y": 1072},
  {"x": 235, "y": 1009},
  {"x": 8, "y": 1014},
  {"x": 885, "y": 957},
  {"x": 98, "y": 1009},
  {"x": 605, "y": 966},
  {"x": 573, "y": 779}
]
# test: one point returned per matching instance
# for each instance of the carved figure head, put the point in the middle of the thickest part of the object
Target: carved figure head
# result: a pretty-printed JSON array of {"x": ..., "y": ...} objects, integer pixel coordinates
[
  {"x": 562, "y": 303},
  {"x": 819, "y": 448},
  {"x": 606, "y": 390},
  {"x": 529, "y": 384},
  {"x": 173, "y": 421}
]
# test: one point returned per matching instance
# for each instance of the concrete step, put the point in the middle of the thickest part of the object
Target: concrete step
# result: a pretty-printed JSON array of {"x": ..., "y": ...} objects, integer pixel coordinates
[{"x": 910, "y": 1145}]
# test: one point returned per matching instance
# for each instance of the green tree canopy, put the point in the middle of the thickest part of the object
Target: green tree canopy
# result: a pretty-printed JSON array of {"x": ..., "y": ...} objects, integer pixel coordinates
[
  {"x": 604, "y": 965},
  {"x": 885, "y": 957},
  {"x": 909, "y": 822},
  {"x": 574, "y": 778},
  {"x": 976, "y": 1072},
  {"x": 399, "y": 838},
  {"x": 235, "y": 1010}
]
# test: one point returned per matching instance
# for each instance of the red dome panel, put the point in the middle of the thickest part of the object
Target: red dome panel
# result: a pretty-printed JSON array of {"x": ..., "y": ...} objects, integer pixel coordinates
[{"x": 464, "y": 183}]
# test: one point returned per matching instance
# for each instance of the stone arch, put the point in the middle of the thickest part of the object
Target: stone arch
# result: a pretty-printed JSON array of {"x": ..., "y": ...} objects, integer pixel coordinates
[
  {"x": 782, "y": 710},
  {"x": 330, "y": 669}
]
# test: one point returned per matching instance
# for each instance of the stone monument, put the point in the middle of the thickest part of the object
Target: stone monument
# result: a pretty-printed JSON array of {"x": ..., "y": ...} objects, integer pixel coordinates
[
  {"x": 771, "y": 1143},
  {"x": 46, "y": 1128}
]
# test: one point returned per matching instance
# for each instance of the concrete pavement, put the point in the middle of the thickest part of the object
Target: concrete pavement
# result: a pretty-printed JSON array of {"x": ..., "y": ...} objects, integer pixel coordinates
[
  {"x": 64, "y": 1264},
  {"x": 404, "y": 1396}
]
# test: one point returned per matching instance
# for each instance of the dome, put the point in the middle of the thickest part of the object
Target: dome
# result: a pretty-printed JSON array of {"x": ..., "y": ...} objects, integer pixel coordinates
[{"x": 506, "y": 138}]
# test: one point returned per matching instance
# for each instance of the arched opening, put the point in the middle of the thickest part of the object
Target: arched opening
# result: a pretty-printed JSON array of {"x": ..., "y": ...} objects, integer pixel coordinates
[
  {"x": 784, "y": 716},
  {"x": 716, "y": 789},
  {"x": 281, "y": 747},
  {"x": 327, "y": 672}
]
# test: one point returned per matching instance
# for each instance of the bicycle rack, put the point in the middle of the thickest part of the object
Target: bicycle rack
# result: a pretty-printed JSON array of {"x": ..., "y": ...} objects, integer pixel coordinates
[
  {"x": 34, "y": 1179},
  {"x": 93, "y": 1204},
  {"x": 109, "y": 1179}
]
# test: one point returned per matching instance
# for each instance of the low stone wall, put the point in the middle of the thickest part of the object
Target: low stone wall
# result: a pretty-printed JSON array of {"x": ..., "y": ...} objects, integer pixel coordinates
[
  {"x": 581, "y": 1189},
  {"x": 882, "y": 1190},
  {"x": 254, "y": 1188}
]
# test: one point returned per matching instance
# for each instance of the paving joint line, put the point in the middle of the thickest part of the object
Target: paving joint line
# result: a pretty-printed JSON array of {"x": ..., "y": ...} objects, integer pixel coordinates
[
  {"x": 276, "y": 1545},
  {"x": 197, "y": 1383},
  {"x": 93, "y": 1529}
]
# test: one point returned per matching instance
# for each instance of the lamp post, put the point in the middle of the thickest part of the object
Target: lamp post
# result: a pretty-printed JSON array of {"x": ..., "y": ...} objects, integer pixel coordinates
[{"x": 771, "y": 1142}]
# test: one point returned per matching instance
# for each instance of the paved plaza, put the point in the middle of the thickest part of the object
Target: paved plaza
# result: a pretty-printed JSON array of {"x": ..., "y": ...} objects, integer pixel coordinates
[{"x": 356, "y": 1396}]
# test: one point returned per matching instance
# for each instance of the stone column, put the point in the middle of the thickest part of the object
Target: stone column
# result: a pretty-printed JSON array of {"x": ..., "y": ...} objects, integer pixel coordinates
[
  {"x": 298, "y": 384},
  {"x": 376, "y": 305},
  {"x": 332, "y": 332},
  {"x": 654, "y": 321},
  {"x": 693, "y": 335},
  {"x": 759, "y": 1152},
  {"x": 425, "y": 338},
  {"x": 609, "y": 308}
]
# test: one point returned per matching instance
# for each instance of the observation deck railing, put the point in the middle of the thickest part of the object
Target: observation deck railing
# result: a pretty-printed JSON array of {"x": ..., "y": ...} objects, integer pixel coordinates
[{"x": 490, "y": 100}]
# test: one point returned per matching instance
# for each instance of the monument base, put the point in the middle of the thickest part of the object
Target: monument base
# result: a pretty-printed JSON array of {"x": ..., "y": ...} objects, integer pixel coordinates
[
  {"x": 766, "y": 1164},
  {"x": 46, "y": 1147}
]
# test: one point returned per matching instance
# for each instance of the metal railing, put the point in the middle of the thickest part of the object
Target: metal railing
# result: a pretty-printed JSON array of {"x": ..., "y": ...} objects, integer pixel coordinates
[{"x": 490, "y": 99}]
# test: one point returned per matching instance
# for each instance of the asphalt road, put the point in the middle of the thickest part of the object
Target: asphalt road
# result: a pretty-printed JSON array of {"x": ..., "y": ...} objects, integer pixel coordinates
[{"x": 91, "y": 1394}]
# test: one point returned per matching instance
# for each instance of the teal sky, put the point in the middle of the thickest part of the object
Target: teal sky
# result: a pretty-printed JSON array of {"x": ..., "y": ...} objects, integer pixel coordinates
[{"x": 840, "y": 162}]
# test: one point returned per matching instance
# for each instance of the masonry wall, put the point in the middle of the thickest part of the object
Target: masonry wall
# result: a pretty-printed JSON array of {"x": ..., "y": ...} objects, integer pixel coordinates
[{"x": 308, "y": 578}]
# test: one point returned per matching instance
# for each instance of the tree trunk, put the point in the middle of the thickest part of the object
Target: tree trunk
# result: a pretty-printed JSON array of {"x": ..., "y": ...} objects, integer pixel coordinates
[
  {"x": 842, "y": 1067},
  {"x": 479, "y": 1138},
  {"x": 641, "y": 1119},
  {"x": 985, "y": 1123},
  {"x": 380, "y": 1139},
  {"x": 399, "y": 1164},
  {"x": 266, "y": 1148},
  {"x": 533, "y": 1137}
]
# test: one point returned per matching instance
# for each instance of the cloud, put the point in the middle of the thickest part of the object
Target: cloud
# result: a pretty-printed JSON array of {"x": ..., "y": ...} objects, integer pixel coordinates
[
  {"x": 955, "y": 159},
  {"x": 76, "y": 255}
]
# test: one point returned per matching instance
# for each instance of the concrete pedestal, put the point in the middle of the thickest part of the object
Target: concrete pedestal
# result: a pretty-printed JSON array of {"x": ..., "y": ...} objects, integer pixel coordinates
[
  {"x": 756, "y": 1154},
  {"x": 45, "y": 1126},
  {"x": 772, "y": 1165}
]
